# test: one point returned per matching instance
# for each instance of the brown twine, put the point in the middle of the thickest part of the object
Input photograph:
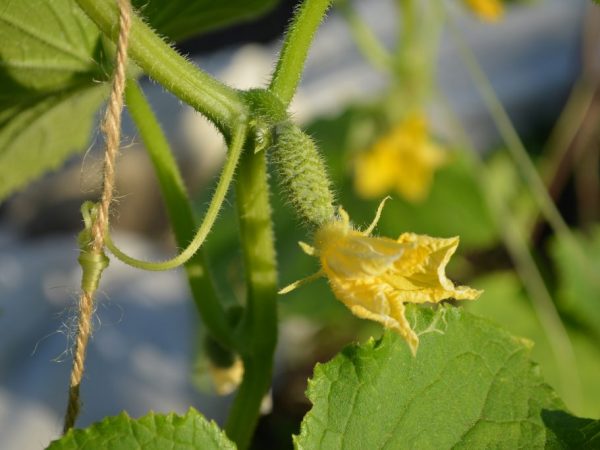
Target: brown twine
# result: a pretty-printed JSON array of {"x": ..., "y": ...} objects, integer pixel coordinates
[{"x": 92, "y": 256}]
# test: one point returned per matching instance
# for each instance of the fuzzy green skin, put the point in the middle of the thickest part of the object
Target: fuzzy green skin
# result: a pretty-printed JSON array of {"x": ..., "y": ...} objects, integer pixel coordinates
[{"x": 303, "y": 174}]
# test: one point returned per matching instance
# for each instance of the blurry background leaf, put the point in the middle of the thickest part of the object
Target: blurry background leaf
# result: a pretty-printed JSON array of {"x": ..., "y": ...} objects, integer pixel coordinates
[
  {"x": 508, "y": 188},
  {"x": 153, "y": 431},
  {"x": 454, "y": 207},
  {"x": 178, "y": 19},
  {"x": 471, "y": 385},
  {"x": 505, "y": 303},
  {"x": 578, "y": 266}
]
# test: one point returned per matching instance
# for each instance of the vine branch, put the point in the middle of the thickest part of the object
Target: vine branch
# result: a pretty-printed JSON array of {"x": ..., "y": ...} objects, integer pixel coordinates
[
  {"x": 235, "y": 150},
  {"x": 295, "y": 48},
  {"x": 179, "y": 211},
  {"x": 257, "y": 333},
  {"x": 220, "y": 103}
]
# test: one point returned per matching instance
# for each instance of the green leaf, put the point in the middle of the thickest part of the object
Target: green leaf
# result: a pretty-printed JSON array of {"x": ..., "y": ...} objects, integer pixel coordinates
[
  {"x": 578, "y": 266},
  {"x": 454, "y": 207},
  {"x": 153, "y": 431},
  {"x": 41, "y": 136},
  {"x": 569, "y": 432},
  {"x": 505, "y": 302},
  {"x": 179, "y": 19},
  {"x": 49, "y": 87},
  {"x": 47, "y": 47},
  {"x": 52, "y": 67},
  {"x": 471, "y": 385}
]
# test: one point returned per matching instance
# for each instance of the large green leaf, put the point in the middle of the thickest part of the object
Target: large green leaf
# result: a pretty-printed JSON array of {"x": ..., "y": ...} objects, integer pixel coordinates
[
  {"x": 151, "y": 432},
  {"x": 471, "y": 385},
  {"x": 50, "y": 87},
  {"x": 52, "y": 67},
  {"x": 505, "y": 302},
  {"x": 47, "y": 46},
  {"x": 179, "y": 19}
]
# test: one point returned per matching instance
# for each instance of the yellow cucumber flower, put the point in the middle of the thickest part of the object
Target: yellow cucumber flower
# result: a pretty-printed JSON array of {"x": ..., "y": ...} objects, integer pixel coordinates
[
  {"x": 488, "y": 10},
  {"x": 226, "y": 379},
  {"x": 375, "y": 276},
  {"x": 404, "y": 160}
]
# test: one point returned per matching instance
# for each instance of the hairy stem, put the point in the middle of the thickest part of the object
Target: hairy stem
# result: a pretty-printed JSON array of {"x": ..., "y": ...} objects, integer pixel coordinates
[
  {"x": 295, "y": 48},
  {"x": 179, "y": 211},
  {"x": 258, "y": 329},
  {"x": 417, "y": 50},
  {"x": 235, "y": 149},
  {"x": 220, "y": 103}
]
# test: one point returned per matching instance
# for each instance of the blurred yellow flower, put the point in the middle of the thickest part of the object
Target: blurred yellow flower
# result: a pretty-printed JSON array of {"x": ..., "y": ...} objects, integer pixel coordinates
[
  {"x": 403, "y": 160},
  {"x": 375, "y": 276},
  {"x": 226, "y": 379},
  {"x": 488, "y": 10}
]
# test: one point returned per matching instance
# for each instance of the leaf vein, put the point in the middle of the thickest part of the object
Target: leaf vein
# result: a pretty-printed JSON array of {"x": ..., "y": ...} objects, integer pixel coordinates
[{"x": 45, "y": 39}]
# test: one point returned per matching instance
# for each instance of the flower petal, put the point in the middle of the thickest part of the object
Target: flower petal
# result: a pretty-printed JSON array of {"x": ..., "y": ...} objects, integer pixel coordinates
[
  {"x": 374, "y": 172},
  {"x": 488, "y": 10},
  {"x": 375, "y": 276},
  {"x": 420, "y": 275},
  {"x": 405, "y": 160},
  {"x": 358, "y": 256},
  {"x": 375, "y": 302},
  {"x": 227, "y": 379}
]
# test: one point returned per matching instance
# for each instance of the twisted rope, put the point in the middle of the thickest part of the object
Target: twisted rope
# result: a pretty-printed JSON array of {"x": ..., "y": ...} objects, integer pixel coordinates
[{"x": 92, "y": 258}]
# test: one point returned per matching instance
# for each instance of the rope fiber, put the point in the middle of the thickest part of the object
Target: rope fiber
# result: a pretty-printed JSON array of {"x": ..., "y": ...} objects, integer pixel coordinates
[{"x": 96, "y": 217}]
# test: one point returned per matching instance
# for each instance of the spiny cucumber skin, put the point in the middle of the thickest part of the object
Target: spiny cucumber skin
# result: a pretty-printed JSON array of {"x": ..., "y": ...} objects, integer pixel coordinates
[{"x": 302, "y": 174}]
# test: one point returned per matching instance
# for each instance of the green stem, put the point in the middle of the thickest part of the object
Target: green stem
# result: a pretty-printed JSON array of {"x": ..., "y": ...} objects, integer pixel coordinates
[
  {"x": 568, "y": 124},
  {"x": 511, "y": 138},
  {"x": 525, "y": 265},
  {"x": 408, "y": 18},
  {"x": 295, "y": 48},
  {"x": 220, "y": 103},
  {"x": 368, "y": 44},
  {"x": 179, "y": 211},
  {"x": 235, "y": 150},
  {"x": 258, "y": 328},
  {"x": 417, "y": 50}
]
